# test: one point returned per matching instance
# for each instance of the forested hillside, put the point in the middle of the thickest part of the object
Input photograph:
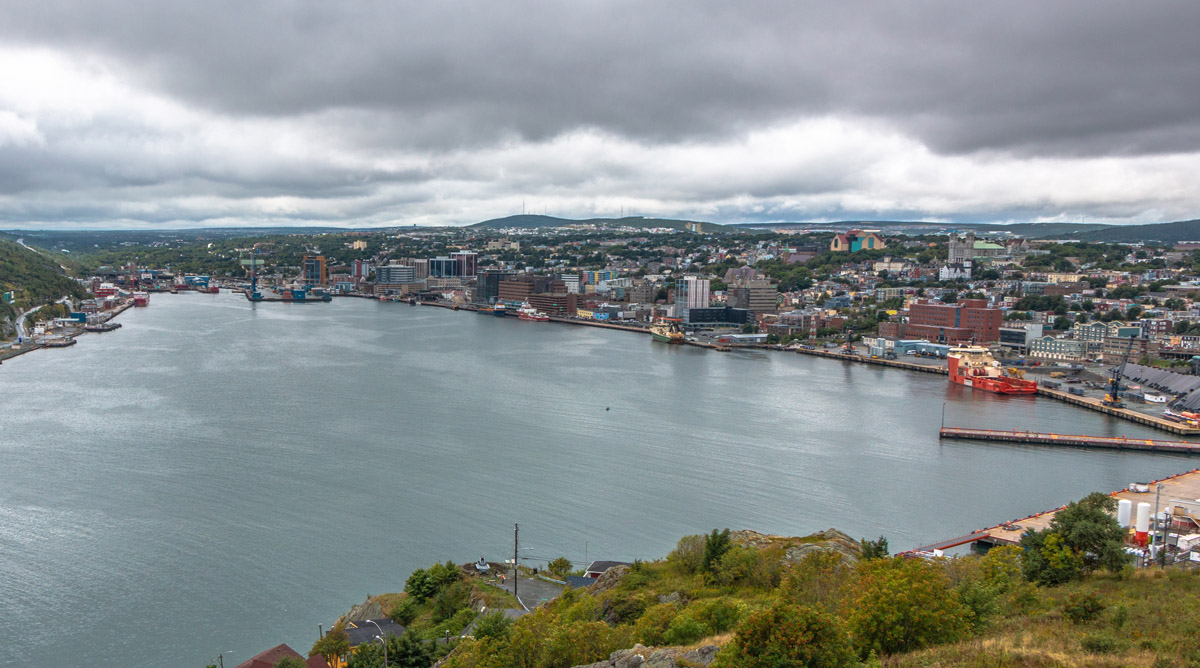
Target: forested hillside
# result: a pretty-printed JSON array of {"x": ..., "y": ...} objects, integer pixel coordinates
[{"x": 33, "y": 279}]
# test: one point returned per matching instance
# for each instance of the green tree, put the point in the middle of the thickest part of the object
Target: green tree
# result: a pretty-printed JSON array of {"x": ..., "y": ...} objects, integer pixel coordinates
[
  {"x": 688, "y": 555},
  {"x": 787, "y": 636},
  {"x": 900, "y": 605},
  {"x": 716, "y": 545},
  {"x": 333, "y": 645},
  {"x": 1048, "y": 559},
  {"x": 404, "y": 651},
  {"x": 420, "y": 586},
  {"x": 875, "y": 549},
  {"x": 559, "y": 567}
]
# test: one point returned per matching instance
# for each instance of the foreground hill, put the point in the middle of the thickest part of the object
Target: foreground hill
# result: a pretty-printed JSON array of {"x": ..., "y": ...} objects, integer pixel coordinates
[{"x": 536, "y": 221}]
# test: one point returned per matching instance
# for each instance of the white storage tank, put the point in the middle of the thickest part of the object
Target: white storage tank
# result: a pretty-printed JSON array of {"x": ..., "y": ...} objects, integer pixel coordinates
[
  {"x": 1142, "y": 528},
  {"x": 1124, "y": 512}
]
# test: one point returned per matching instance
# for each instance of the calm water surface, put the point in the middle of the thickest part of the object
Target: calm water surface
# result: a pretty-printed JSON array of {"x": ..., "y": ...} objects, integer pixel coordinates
[{"x": 220, "y": 476}]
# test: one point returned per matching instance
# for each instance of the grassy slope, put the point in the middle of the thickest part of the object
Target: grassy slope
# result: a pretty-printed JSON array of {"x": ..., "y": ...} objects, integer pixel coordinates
[{"x": 1161, "y": 612}]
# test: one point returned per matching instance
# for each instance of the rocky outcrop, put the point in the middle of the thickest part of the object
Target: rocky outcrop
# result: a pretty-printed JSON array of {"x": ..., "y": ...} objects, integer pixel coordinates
[
  {"x": 796, "y": 548},
  {"x": 607, "y": 580},
  {"x": 368, "y": 609},
  {"x": 649, "y": 657}
]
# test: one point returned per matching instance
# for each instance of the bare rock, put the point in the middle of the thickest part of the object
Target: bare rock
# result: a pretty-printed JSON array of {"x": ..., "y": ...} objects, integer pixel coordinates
[
  {"x": 608, "y": 580},
  {"x": 701, "y": 656},
  {"x": 673, "y": 597},
  {"x": 797, "y": 547}
]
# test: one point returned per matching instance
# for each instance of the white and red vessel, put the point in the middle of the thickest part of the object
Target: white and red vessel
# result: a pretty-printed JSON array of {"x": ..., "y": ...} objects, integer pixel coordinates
[
  {"x": 974, "y": 366},
  {"x": 141, "y": 299},
  {"x": 527, "y": 312}
]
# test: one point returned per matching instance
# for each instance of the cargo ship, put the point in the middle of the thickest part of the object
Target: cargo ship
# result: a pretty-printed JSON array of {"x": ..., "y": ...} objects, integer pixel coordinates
[
  {"x": 141, "y": 299},
  {"x": 486, "y": 310},
  {"x": 529, "y": 313},
  {"x": 974, "y": 366},
  {"x": 667, "y": 330}
]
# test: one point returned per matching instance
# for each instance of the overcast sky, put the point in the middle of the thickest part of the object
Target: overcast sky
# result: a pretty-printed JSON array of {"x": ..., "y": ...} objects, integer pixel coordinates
[{"x": 150, "y": 113}]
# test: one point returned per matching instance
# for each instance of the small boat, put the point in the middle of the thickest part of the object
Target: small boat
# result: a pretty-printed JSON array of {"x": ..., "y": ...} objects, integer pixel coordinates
[{"x": 499, "y": 310}]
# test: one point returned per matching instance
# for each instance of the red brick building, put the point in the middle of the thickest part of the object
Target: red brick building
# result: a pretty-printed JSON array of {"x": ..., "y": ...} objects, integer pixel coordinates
[{"x": 969, "y": 321}]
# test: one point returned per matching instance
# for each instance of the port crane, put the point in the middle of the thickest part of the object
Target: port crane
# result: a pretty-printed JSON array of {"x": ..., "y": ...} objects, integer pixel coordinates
[{"x": 1113, "y": 398}]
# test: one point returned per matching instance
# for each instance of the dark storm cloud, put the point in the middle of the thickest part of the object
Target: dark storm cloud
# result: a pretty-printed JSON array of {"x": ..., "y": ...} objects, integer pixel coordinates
[{"x": 1061, "y": 78}]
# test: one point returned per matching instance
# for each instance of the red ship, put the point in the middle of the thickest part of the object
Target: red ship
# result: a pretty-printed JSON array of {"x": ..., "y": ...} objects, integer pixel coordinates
[
  {"x": 974, "y": 366},
  {"x": 141, "y": 299}
]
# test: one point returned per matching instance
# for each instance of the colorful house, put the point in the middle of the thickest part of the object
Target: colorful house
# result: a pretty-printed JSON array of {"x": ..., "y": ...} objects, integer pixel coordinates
[{"x": 856, "y": 240}]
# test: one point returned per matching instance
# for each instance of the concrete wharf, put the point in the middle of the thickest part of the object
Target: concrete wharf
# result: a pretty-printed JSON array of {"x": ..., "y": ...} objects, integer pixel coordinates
[
  {"x": 1184, "y": 486},
  {"x": 864, "y": 359},
  {"x": 1094, "y": 404},
  {"x": 1110, "y": 442}
]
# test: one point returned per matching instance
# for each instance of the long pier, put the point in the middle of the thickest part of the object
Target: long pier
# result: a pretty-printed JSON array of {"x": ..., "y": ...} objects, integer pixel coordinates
[
  {"x": 866, "y": 359},
  {"x": 1070, "y": 440},
  {"x": 1123, "y": 413}
]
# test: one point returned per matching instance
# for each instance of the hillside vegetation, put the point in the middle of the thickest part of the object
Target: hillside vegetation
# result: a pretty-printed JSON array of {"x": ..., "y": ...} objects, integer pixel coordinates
[
  {"x": 1066, "y": 598},
  {"x": 33, "y": 278}
]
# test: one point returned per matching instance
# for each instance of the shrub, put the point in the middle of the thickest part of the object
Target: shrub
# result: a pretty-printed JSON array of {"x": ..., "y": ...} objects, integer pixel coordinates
[
  {"x": 1080, "y": 608},
  {"x": 688, "y": 555},
  {"x": 899, "y": 605},
  {"x": 560, "y": 567},
  {"x": 1048, "y": 560},
  {"x": 748, "y": 567},
  {"x": 450, "y": 600},
  {"x": 405, "y": 611},
  {"x": 493, "y": 625},
  {"x": 787, "y": 635},
  {"x": 684, "y": 630},
  {"x": 818, "y": 580},
  {"x": 718, "y": 615},
  {"x": 652, "y": 626},
  {"x": 625, "y": 610},
  {"x": 1000, "y": 568},
  {"x": 1100, "y": 643}
]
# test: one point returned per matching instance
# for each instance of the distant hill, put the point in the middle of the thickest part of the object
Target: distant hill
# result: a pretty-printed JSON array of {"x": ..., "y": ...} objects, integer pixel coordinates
[
  {"x": 1031, "y": 230},
  {"x": 536, "y": 221},
  {"x": 1184, "y": 230}
]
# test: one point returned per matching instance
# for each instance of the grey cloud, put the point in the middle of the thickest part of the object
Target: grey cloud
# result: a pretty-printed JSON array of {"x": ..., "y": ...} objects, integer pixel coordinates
[{"x": 1034, "y": 77}]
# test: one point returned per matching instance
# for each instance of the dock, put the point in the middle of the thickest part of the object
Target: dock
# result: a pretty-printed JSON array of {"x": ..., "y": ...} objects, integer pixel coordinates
[
  {"x": 1070, "y": 440},
  {"x": 1090, "y": 403},
  {"x": 877, "y": 361},
  {"x": 1180, "y": 486}
]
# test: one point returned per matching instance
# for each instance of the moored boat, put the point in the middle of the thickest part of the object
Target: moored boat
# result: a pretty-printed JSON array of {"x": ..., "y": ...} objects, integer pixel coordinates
[
  {"x": 527, "y": 312},
  {"x": 975, "y": 367},
  {"x": 667, "y": 330}
]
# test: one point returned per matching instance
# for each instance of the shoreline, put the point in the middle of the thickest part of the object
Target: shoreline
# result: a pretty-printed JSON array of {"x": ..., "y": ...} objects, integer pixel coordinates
[{"x": 8, "y": 352}]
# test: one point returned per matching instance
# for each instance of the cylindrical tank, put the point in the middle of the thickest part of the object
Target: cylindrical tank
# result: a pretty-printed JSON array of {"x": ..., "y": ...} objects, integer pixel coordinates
[
  {"x": 1124, "y": 512},
  {"x": 1142, "y": 527}
]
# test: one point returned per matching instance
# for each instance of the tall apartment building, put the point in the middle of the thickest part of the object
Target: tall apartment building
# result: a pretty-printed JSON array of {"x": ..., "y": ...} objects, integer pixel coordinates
[
  {"x": 395, "y": 273},
  {"x": 690, "y": 292},
  {"x": 468, "y": 263},
  {"x": 313, "y": 270},
  {"x": 754, "y": 295},
  {"x": 487, "y": 288},
  {"x": 443, "y": 267},
  {"x": 518, "y": 288},
  {"x": 969, "y": 321}
]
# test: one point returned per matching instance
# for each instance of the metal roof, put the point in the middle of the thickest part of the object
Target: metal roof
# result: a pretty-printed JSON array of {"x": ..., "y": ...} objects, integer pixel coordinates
[{"x": 1185, "y": 386}]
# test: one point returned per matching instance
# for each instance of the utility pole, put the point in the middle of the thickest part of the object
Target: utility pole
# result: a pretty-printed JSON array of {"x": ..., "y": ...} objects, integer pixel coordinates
[{"x": 516, "y": 573}]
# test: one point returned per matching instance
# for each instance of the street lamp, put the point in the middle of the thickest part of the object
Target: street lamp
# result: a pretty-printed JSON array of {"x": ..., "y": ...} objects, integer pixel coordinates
[{"x": 382, "y": 641}]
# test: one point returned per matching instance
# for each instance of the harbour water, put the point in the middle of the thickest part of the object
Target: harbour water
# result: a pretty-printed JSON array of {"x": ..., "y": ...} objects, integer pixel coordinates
[{"x": 220, "y": 476}]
